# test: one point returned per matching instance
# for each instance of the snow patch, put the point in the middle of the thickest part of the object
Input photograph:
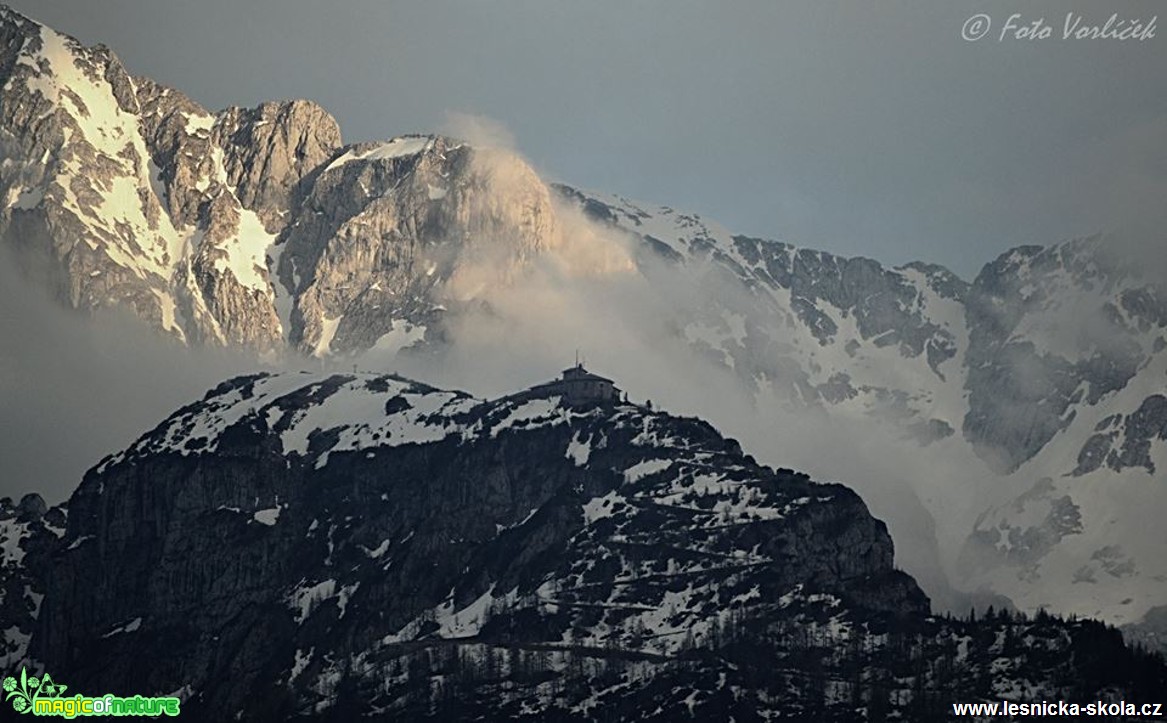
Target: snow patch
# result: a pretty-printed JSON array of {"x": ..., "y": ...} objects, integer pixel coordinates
[
  {"x": 379, "y": 550},
  {"x": 246, "y": 252},
  {"x": 578, "y": 451},
  {"x": 598, "y": 508},
  {"x": 396, "y": 148},
  {"x": 267, "y": 517},
  {"x": 129, "y": 627},
  {"x": 531, "y": 411},
  {"x": 402, "y": 336},
  {"x": 640, "y": 470},
  {"x": 328, "y": 329},
  {"x": 305, "y": 598},
  {"x": 196, "y": 122}
]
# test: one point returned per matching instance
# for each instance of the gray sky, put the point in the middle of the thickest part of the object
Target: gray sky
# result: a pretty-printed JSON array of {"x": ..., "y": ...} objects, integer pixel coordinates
[{"x": 859, "y": 127}]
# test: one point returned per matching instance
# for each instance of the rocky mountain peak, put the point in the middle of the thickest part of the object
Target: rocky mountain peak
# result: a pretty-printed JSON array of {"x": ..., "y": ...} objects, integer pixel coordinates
[
  {"x": 270, "y": 149},
  {"x": 389, "y": 230},
  {"x": 126, "y": 193},
  {"x": 1038, "y": 386}
]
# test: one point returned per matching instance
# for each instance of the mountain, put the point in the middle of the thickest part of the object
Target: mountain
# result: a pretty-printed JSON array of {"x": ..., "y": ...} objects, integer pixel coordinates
[
  {"x": 368, "y": 546},
  {"x": 1038, "y": 388},
  {"x": 250, "y": 227},
  {"x": 1020, "y": 416}
]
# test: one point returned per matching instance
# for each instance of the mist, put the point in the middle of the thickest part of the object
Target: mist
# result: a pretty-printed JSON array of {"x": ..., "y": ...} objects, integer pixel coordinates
[
  {"x": 596, "y": 293},
  {"x": 75, "y": 388}
]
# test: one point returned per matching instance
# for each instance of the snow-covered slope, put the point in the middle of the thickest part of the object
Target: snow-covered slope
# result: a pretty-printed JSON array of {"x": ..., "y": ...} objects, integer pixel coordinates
[
  {"x": 1035, "y": 394},
  {"x": 812, "y": 328},
  {"x": 1072, "y": 371}
]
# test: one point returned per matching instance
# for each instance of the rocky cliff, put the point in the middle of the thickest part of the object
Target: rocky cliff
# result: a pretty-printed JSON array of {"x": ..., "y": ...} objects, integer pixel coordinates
[{"x": 122, "y": 193}]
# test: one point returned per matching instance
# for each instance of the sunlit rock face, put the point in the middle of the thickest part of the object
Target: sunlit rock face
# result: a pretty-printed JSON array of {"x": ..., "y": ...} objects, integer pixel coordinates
[
  {"x": 122, "y": 193},
  {"x": 388, "y": 230},
  {"x": 119, "y": 191},
  {"x": 76, "y": 176}
]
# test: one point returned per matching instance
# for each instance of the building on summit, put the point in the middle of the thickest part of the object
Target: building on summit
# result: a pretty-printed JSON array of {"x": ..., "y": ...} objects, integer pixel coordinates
[{"x": 578, "y": 387}]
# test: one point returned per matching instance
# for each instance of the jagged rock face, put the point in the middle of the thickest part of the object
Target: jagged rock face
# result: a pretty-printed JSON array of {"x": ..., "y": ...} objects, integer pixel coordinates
[
  {"x": 75, "y": 182},
  {"x": 112, "y": 189},
  {"x": 177, "y": 131},
  {"x": 363, "y": 544},
  {"x": 28, "y": 531},
  {"x": 808, "y": 322},
  {"x": 1051, "y": 329},
  {"x": 388, "y": 231},
  {"x": 1138, "y": 431},
  {"x": 124, "y": 193},
  {"x": 1065, "y": 374},
  {"x": 269, "y": 150}
]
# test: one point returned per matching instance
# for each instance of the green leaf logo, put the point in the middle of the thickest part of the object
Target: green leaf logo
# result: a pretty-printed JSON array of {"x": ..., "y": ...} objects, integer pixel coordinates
[{"x": 29, "y": 689}]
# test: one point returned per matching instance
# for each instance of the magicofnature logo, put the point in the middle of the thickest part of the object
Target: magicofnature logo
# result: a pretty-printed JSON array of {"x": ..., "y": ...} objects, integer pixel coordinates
[{"x": 44, "y": 696}]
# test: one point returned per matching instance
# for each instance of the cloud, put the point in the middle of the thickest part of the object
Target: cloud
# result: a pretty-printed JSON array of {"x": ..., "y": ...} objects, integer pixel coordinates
[
  {"x": 628, "y": 327},
  {"x": 594, "y": 290},
  {"x": 477, "y": 130}
]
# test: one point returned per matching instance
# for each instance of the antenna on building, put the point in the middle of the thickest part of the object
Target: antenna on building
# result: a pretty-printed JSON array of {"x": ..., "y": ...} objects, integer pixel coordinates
[{"x": 577, "y": 357}]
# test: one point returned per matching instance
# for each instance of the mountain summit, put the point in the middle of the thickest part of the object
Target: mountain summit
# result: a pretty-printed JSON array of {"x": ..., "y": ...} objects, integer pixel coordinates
[{"x": 365, "y": 546}]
